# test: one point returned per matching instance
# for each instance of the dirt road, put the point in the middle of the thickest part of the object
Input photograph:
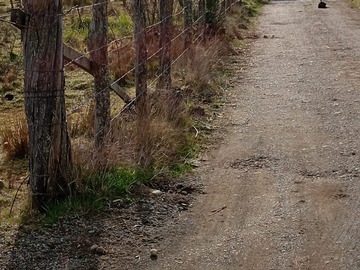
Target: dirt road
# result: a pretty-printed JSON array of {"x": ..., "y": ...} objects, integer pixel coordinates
[{"x": 283, "y": 189}]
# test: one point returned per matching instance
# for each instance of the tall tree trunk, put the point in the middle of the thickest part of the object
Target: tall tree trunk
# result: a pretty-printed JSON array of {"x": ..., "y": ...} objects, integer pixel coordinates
[
  {"x": 97, "y": 45},
  {"x": 138, "y": 10},
  {"x": 166, "y": 7},
  {"x": 50, "y": 161},
  {"x": 188, "y": 23}
]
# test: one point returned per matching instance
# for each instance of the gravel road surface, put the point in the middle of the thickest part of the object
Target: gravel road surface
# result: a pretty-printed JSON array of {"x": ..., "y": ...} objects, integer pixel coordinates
[{"x": 283, "y": 188}]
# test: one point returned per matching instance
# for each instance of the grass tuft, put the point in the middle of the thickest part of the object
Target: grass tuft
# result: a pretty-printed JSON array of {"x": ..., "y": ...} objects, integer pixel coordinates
[
  {"x": 15, "y": 141},
  {"x": 95, "y": 191}
]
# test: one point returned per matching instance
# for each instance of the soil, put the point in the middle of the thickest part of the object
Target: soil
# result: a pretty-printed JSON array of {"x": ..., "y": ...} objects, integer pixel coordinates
[{"x": 279, "y": 191}]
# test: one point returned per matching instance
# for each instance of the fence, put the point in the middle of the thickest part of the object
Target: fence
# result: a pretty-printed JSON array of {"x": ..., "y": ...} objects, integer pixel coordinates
[
  {"x": 179, "y": 24},
  {"x": 189, "y": 28}
]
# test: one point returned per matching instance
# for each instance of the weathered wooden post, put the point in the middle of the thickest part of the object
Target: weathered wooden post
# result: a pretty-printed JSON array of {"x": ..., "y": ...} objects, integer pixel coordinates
[
  {"x": 50, "y": 163},
  {"x": 138, "y": 11},
  {"x": 188, "y": 22},
  {"x": 97, "y": 45},
  {"x": 166, "y": 7},
  {"x": 143, "y": 125}
]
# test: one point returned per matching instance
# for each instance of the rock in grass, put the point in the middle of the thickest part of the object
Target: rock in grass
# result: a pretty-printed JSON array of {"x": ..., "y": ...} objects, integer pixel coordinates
[
  {"x": 2, "y": 185},
  {"x": 156, "y": 192}
]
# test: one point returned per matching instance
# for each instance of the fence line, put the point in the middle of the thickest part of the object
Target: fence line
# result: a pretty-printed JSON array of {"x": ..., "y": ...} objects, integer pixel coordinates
[
  {"x": 148, "y": 28},
  {"x": 128, "y": 105},
  {"x": 132, "y": 102}
]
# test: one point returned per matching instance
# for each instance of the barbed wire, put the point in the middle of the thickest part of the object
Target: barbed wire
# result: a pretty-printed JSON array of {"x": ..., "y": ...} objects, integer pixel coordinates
[
  {"x": 78, "y": 8},
  {"x": 147, "y": 28},
  {"x": 148, "y": 58},
  {"x": 98, "y": 49}
]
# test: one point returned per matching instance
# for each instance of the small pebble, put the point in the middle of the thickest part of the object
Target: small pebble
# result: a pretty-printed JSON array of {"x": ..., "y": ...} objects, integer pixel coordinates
[
  {"x": 153, "y": 252},
  {"x": 101, "y": 251},
  {"x": 156, "y": 192},
  {"x": 93, "y": 248}
]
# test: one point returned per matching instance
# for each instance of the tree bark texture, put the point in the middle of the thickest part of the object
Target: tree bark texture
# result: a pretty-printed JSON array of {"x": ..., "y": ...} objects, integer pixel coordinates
[
  {"x": 166, "y": 8},
  {"x": 188, "y": 23},
  {"x": 97, "y": 45},
  {"x": 50, "y": 163},
  {"x": 138, "y": 11}
]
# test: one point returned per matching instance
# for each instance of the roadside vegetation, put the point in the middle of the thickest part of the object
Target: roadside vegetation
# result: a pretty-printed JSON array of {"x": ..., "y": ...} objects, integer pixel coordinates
[
  {"x": 355, "y": 3},
  {"x": 135, "y": 152}
]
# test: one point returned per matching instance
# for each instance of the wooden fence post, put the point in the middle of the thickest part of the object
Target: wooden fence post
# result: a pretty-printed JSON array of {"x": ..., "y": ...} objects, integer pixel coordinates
[
  {"x": 139, "y": 18},
  {"x": 50, "y": 163},
  {"x": 166, "y": 8},
  {"x": 97, "y": 45},
  {"x": 188, "y": 22}
]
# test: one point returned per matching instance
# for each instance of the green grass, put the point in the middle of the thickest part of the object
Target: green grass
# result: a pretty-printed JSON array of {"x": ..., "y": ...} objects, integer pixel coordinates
[
  {"x": 96, "y": 191},
  {"x": 121, "y": 25}
]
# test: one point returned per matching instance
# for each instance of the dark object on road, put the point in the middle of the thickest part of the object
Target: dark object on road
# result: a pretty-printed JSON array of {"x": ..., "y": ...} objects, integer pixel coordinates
[{"x": 322, "y": 4}]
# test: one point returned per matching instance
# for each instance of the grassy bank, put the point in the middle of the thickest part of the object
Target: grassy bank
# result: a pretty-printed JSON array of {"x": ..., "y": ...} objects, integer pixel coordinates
[{"x": 136, "y": 151}]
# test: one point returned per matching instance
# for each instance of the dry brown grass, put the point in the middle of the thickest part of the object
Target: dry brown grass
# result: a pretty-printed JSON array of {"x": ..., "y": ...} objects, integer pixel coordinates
[
  {"x": 15, "y": 141},
  {"x": 196, "y": 69},
  {"x": 152, "y": 141},
  {"x": 82, "y": 122},
  {"x": 122, "y": 59}
]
